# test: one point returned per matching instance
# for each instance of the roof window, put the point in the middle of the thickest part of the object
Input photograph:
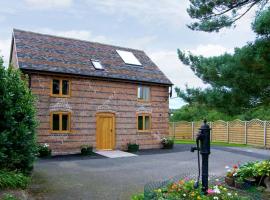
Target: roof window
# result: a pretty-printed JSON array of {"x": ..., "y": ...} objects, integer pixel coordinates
[
  {"x": 97, "y": 64},
  {"x": 128, "y": 57}
]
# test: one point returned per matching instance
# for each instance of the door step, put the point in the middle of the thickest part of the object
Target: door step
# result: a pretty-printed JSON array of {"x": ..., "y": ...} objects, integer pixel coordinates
[{"x": 115, "y": 154}]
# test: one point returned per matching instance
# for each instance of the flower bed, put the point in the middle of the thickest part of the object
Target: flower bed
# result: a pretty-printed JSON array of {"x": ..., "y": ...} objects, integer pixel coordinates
[{"x": 184, "y": 190}]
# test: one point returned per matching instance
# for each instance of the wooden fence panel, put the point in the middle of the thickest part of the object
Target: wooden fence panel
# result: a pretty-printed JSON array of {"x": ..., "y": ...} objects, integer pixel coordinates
[
  {"x": 255, "y": 132},
  {"x": 171, "y": 129},
  {"x": 219, "y": 131},
  {"x": 183, "y": 130},
  {"x": 237, "y": 132},
  {"x": 197, "y": 126},
  {"x": 268, "y": 134}
]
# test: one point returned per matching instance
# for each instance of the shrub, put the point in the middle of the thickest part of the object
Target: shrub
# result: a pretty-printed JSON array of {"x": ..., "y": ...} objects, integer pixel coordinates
[
  {"x": 86, "y": 150},
  {"x": 44, "y": 150},
  {"x": 132, "y": 147},
  {"x": 9, "y": 197},
  {"x": 13, "y": 180},
  {"x": 167, "y": 143},
  {"x": 17, "y": 122}
]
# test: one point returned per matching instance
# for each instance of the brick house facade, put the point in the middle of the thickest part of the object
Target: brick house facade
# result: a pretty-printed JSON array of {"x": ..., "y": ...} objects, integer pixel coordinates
[{"x": 106, "y": 104}]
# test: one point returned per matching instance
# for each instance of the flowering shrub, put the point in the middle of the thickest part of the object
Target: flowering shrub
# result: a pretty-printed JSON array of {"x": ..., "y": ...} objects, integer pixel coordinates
[
  {"x": 44, "y": 150},
  {"x": 184, "y": 190},
  {"x": 167, "y": 143},
  {"x": 86, "y": 150},
  {"x": 250, "y": 169},
  {"x": 132, "y": 147},
  {"x": 231, "y": 172}
]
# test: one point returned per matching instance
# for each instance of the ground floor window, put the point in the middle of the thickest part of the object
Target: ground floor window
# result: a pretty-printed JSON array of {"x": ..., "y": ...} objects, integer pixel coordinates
[
  {"x": 144, "y": 122},
  {"x": 60, "y": 122}
]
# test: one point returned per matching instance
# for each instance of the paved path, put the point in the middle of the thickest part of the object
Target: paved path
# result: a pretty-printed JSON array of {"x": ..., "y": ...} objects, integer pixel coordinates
[{"x": 118, "y": 178}]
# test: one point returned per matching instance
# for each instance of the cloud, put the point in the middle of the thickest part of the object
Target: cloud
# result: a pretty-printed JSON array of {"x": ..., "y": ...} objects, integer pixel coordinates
[
  {"x": 180, "y": 74},
  {"x": 138, "y": 42},
  {"x": 5, "y": 50},
  {"x": 48, "y": 4},
  {"x": 210, "y": 50},
  {"x": 160, "y": 12},
  {"x": 77, "y": 34}
]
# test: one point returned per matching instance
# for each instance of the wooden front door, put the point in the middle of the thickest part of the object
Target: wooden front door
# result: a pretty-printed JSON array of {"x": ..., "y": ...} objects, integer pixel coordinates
[{"x": 105, "y": 131}]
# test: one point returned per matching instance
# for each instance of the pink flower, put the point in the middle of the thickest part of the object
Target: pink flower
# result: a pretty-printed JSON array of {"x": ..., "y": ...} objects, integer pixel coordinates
[{"x": 210, "y": 191}]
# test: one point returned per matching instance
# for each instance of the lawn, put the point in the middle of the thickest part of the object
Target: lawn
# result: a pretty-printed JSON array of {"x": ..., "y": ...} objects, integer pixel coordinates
[{"x": 212, "y": 143}]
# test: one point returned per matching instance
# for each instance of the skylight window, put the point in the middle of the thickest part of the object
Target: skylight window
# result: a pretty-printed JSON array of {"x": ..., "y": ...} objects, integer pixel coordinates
[
  {"x": 97, "y": 64},
  {"x": 128, "y": 57}
]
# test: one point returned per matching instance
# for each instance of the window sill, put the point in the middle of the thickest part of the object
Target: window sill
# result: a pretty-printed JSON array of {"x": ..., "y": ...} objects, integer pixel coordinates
[
  {"x": 61, "y": 132},
  {"x": 143, "y": 131},
  {"x": 143, "y": 101},
  {"x": 59, "y": 96}
]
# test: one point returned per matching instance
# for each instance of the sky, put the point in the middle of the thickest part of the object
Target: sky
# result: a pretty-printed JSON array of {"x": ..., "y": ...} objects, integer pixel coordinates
[{"x": 156, "y": 26}]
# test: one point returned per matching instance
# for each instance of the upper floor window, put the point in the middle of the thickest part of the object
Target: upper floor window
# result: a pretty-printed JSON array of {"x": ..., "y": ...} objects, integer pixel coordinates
[
  {"x": 144, "y": 122},
  {"x": 60, "y": 122},
  {"x": 60, "y": 87},
  {"x": 143, "y": 93}
]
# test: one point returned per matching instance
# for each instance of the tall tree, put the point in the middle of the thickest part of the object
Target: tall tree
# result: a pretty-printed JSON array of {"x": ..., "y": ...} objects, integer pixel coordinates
[
  {"x": 17, "y": 121},
  {"x": 239, "y": 81},
  {"x": 212, "y": 15}
]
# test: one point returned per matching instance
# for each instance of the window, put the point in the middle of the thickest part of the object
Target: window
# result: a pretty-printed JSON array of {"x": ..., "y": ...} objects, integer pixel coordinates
[
  {"x": 143, "y": 93},
  {"x": 60, "y": 122},
  {"x": 144, "y": 122},
  {"x": 60, "y": 87},
  {"x": 128, "y": 57},
  {"x": 97, "y": 64}
]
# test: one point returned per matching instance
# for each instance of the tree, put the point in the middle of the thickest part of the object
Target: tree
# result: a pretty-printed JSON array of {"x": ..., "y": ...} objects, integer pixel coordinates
[
  {"x": 17, "y": 121},
  {"x": 238, "y": 82},
  {"x": 212, "y": 15}
]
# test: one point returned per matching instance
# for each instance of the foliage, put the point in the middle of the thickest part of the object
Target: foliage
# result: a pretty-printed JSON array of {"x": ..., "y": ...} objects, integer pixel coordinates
[
  {"x": 138, "y": 197},
  {"x": 9, "y": 197},
  {"x": 44, "y": 150},
  {"x": 167, "y": 142},
  {"x": 17, "y": 121},
  {"x": 13, "y": 180},
  {"x": 197, "y": 113},
  {"x": 184, "y": 190},
  {"x": 246, "y": 171},
  {"x": 86, "y": 150},
  {"x": 238, "y": 82},
  {"x": 132, "y": 147},
  {"x": 212, "y": 15},
  {"x": 251, "y": 169}
]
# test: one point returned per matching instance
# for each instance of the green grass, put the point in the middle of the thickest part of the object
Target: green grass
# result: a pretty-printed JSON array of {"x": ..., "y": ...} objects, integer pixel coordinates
[
  {"x": 212, "y": 143},
  {"x": 13, "y": 180}
]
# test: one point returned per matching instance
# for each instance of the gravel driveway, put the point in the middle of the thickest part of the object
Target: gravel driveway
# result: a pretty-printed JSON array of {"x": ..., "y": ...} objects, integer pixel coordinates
[{"x": 99, "y": 178}]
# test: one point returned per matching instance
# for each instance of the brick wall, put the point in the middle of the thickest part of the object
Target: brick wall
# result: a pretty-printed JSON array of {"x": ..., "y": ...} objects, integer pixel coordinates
[{"x": 89, "y": 97}]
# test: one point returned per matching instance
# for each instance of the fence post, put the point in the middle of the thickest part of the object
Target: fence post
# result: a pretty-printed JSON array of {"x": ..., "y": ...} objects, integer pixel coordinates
[
  {"x": 245, "y": 132},
  {"x": 264, "y": 132},
  {"x": 228, "y": 136},
  {"x": 192, "y": 129},
  {"x": 210, "y": 125},
  {"x": 174, "y": 130}
]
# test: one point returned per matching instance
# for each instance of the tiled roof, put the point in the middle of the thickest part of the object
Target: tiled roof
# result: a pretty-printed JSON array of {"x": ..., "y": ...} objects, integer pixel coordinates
[{"x": 48, "y": 53}]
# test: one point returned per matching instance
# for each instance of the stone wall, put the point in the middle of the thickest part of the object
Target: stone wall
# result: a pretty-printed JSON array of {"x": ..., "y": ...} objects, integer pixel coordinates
[{"x": 88, "y": 97}]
